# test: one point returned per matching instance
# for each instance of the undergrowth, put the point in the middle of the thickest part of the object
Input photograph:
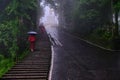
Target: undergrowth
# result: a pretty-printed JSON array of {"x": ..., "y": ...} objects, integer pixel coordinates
[{"x": 7, "y": 63}]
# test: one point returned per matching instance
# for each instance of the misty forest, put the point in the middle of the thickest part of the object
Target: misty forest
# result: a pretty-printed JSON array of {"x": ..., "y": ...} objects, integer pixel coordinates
[{"x": 97, "y": 21}]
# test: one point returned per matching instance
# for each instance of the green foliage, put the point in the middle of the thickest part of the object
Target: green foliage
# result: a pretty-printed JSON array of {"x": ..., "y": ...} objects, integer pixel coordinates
[
  {"x": 8, "y": 33},
  {"x": 116, "y": 8},
  {"x": 104, "y": 33},
  {"x": 16, "y": 20},
  {"x": 97, "y": 2},
  {"x": 88, "y": 14},
  {"x": 89, "y": 8},
  {"x": 5, "y": 65},
  {"x": 116, "y": 5},
  {"x": 1, "y": 57},
  {"x": 102, "y": 36},
  {"x": 20, "y": 8}
]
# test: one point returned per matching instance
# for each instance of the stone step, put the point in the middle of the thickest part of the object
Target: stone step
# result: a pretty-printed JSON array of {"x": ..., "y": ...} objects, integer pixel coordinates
[
  {"x": 35, "y": 66},
  {"x": 32, "y": 63},
  {"x": 30, "y": 68},
  {"x": 28, "y": 71},
  {"x": 38, "y": 65},
  {"x": 24, "y": 77},
  {"x": 28, "y": 74}
]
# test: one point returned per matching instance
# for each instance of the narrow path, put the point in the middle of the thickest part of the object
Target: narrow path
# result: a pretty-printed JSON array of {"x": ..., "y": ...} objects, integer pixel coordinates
[{"x": 35, "y": 66}]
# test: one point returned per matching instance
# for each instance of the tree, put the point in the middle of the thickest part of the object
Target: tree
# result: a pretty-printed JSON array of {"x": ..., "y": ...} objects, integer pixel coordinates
[
  {"x": 116, "y": 6},
  {"x": 16, "y": 19},
  {"x": 116, "y": 39}
]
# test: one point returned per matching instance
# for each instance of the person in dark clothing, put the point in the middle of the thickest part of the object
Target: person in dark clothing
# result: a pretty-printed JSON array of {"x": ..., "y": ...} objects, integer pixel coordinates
[{"x": 42, "y": 31}]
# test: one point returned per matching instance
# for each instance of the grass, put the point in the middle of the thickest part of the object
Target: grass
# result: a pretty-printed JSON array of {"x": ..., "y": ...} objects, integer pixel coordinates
[
  {"x": 101, "y": 36},
  {"x": 101, "y": 41},
  {"x": 7, "y": 63}
]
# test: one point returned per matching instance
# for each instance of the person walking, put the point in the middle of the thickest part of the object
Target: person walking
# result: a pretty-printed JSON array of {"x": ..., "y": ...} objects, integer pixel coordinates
[
  {"x": 32, "y": 40},
  {"x": 42, "y": 31}
]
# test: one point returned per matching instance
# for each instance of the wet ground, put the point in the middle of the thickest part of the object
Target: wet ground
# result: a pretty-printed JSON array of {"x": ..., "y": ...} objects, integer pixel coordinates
[{"x": 74, "y": 59}]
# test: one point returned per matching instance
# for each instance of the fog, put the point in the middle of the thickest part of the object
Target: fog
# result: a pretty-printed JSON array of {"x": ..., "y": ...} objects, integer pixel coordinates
[{"x": 49, "y": 18}]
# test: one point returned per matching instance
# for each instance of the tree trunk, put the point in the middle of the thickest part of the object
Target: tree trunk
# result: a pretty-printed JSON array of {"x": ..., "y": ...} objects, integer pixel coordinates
[
  {"x": 116, "y": 39},
  {"x": 116, "y": 24}
]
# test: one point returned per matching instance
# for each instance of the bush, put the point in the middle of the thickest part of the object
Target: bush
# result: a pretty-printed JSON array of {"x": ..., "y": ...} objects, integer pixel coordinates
[{"x": 101, "y": 36}]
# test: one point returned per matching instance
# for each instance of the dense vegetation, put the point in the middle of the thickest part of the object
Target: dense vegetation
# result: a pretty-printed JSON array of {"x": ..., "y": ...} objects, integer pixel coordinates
[
  {"x": 17, "y": 17},
  {"x": 116, "y": 6}
]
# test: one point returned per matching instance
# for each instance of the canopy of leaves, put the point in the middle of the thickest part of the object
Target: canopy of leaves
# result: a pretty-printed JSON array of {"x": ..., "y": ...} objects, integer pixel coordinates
[
  {"x": 84, "y": 15},
  {"x": 116, "y": 4},
  {"x": 16, "y": 20}
]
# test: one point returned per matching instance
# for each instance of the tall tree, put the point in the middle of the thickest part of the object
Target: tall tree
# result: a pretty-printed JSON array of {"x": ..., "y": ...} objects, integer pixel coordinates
[
  {"x": 116, "y": 5},
  {"x": 15, "y": 20}
]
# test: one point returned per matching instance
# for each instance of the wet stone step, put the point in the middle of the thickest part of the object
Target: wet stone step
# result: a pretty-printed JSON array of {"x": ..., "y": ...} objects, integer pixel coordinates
[
  {"x": 30, "y": 69},
  {"x": 35, "y": 66},
  {"x": 31, "y": 65},
  {"x": 27, "y": 71},
  {"x": 35, "y": 60},
  {"x": 28, "y": 74},
  {"x": 39, "y": 55},
  {"x": 35, "y": 63},
  {"x": 38, "y": 58},
  {"x": 15, "y": 72},
  {"x": 25, "y": 77},
  {"x": 30, "y": 62},
  {"x": 42, "y": 56}
]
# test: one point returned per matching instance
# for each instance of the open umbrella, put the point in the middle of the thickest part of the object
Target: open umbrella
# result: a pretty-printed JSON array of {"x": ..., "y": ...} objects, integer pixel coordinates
[{"x": 32, "y": 32}]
